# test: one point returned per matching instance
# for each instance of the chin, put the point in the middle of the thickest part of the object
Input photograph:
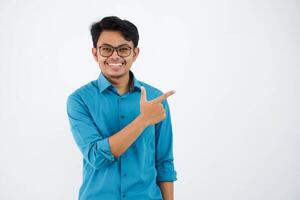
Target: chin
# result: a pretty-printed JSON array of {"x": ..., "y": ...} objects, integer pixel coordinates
[{"x": 116, "y": 74}]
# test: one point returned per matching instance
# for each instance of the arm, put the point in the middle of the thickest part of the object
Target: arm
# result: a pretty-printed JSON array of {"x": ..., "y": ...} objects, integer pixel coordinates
[
  {"x": 94, "y": 148},
  {"x": 166, "y": 173},
  {"x": 167, "y": 190}
]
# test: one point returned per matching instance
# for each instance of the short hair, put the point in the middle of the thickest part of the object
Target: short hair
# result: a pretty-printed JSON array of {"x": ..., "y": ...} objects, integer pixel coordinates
[{"x": 113, "y": 23}]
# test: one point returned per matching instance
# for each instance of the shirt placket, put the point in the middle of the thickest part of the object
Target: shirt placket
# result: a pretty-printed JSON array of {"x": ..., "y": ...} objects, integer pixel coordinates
[{"x": 122, "y": 158}]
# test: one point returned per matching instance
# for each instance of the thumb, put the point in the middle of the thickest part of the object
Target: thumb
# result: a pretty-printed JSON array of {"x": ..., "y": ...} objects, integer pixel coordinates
[{"x": 143, "y": 94}]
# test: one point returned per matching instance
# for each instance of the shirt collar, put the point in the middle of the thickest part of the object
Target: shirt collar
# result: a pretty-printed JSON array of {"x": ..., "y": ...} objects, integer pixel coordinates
[{"x": 103, "y": 83}]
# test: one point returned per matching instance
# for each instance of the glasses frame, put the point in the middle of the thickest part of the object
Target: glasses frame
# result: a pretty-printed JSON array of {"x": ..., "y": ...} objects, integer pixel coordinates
[{"x": 115, "y": 49}]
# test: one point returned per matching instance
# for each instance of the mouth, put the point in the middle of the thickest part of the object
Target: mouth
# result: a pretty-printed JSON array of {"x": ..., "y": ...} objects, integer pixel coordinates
[{"x": 115, "y": 66}]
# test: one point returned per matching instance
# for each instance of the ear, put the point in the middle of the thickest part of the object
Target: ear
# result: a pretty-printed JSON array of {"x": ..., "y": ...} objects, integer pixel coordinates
[
  {"x": 94, "y": 52},
  {"x": 136, "y": 52}
]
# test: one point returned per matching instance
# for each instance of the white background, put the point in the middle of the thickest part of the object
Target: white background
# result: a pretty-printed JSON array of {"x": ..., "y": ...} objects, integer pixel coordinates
[{"x": 235, "y": 66}]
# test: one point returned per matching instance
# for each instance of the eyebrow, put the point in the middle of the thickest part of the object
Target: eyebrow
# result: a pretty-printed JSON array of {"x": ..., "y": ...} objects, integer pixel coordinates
[{"x": 105, "y": 44}]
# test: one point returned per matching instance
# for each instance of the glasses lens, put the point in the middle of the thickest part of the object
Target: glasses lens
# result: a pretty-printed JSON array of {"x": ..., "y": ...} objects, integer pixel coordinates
[
  {"x": 124, "y": 51},
  {"x": 106, "y": 51}
]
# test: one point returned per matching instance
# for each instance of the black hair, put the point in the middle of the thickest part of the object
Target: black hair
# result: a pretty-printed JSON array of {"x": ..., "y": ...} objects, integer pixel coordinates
[{"x": 113, "y": 23}]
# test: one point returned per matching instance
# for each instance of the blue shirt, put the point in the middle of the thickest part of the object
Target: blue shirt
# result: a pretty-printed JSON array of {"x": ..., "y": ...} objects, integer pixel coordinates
[{"x": 96, "y": 111}]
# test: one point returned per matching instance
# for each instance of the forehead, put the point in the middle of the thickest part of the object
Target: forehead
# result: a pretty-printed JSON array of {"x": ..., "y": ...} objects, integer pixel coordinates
[{"x": 113, "y": 38}]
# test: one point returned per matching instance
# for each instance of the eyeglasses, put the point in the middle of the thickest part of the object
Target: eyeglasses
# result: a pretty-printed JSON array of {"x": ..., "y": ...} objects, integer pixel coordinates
[{"x": 122, "y": 51}]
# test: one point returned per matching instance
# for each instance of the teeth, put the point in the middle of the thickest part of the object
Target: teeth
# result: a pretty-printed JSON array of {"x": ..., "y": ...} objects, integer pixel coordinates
[{"x": 115, "y": 64}]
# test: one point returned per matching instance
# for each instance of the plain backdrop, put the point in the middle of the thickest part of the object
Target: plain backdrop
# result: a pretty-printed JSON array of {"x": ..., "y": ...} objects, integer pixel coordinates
[{"x": 234, "y": 64}]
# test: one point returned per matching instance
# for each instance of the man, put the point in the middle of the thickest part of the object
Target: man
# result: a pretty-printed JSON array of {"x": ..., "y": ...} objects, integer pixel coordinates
[{"x": 122, "y": 126}]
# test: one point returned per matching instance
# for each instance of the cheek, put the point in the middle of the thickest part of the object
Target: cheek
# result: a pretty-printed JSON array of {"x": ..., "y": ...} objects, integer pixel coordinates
[
  {"x": 128, "y": 60},
  {"x": 101, "y": 59}
]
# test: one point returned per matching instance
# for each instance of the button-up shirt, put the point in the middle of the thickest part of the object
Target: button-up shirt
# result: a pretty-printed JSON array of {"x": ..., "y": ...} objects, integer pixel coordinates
[{"x": 96, "y": 111}]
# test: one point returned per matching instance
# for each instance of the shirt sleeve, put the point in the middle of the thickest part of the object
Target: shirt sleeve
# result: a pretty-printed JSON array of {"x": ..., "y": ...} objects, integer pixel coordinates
[
  {"x": 164, "y": 148},
  {"x": 94, "y": 148}
]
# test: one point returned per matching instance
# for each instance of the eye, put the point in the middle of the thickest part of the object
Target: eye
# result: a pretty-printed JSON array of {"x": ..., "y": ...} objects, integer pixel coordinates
[
  {"x": 107, "y": 49},
  {"x": 124, "y": 49}
]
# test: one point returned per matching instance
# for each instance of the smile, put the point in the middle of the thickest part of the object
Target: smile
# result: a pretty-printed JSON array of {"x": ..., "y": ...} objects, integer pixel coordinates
[{"x": 115, "y": 64}]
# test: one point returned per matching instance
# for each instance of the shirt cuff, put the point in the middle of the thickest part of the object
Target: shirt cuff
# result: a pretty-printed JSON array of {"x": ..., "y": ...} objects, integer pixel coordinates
[
  {"x": 105, "y": 149},
  {"x": 166, "y": 175}
]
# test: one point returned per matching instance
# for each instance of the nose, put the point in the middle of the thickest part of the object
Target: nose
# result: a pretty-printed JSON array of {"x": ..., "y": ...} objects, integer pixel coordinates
[{"x": 115, "y": 54}]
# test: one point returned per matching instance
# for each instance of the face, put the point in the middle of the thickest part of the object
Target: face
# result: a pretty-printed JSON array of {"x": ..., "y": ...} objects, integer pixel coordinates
[{"x": 114, "y": 66}]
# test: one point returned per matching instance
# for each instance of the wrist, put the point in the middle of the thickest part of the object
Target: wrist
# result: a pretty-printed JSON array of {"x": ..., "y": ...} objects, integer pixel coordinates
[{"x": 142, "y": 121}]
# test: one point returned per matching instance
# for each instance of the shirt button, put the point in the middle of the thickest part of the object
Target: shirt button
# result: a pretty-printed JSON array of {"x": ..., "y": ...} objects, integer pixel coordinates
[
  {"x": 124, "y": 175},
  {"x": 124, "y": 195},
  {"x": 122, "y": 116}
]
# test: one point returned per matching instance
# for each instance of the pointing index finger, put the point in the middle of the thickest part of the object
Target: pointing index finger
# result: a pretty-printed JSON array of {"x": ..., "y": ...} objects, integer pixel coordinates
[{"x": 164, "y": 96}]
